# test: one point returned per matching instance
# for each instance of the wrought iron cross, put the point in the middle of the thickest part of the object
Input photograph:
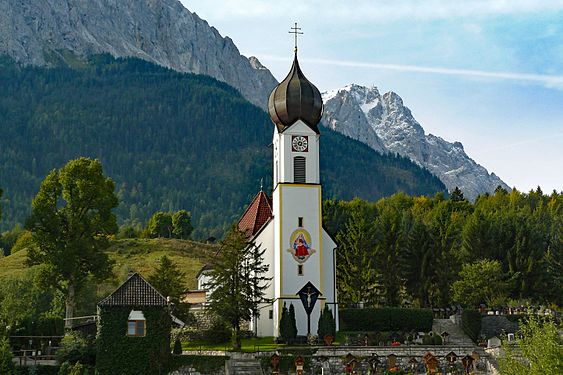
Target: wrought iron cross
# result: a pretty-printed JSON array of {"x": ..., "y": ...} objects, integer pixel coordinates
[{"x": 295, "y": 30}]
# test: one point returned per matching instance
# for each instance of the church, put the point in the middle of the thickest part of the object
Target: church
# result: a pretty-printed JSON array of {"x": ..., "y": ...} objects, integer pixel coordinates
[{"x": 288, "y": 225}]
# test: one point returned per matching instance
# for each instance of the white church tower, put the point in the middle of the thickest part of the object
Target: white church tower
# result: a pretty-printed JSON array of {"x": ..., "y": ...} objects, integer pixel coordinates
[{"x": 288, "y": 225}]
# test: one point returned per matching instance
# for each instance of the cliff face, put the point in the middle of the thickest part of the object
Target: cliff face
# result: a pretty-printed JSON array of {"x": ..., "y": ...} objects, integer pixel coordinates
[
  {"x": 385, "y": 124},
  {"x": 160, "y": 31}
]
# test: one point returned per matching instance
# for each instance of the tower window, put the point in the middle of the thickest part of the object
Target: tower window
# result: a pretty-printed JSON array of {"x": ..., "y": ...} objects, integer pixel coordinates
[
  {"x": 271, "y": 314},
  {"x": 299, "y": 270},
  {"x": 299, "y": 170},
  {"x": 300, "y": 222}
]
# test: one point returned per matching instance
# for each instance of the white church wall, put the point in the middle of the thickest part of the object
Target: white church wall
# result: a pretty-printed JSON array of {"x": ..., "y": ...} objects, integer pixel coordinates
[
  {"x": 329, "y": 280},
  {"x": 302, "y": 201},
  {"x": 264, "y": 326},
  {"x": 299, "y": 201}
]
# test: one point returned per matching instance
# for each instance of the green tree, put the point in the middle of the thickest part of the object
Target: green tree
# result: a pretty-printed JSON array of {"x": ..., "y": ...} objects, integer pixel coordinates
[
  {"x": 6, "y": 364},
  {"x": 292, "y": 323},
  {"x": 327, "y": 324},
  {"x": 539, "y": 351},
  {"x": 171, "y": 282},
  {"x": 457, "y": 195},
  {"x": 357, "y": 277},
  {"x": 27, "y": 307},
  {"x": 482, "y": 281},
  {"x": 159, "y": 225},
  {"x": 237, "y": 281},
  {"x": 70, "y": 222},
  {"x": 182, "y": 224},
  {"x": 284, "y": 325},
  {"x": 390, "y": 235}
]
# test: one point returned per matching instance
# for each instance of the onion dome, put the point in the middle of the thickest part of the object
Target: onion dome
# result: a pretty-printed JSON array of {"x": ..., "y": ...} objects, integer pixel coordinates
[{"x": 295, "y": 98}]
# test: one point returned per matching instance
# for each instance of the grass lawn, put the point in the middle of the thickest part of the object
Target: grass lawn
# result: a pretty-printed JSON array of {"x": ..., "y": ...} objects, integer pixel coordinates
[
  {"x": 247, "y": 345},
  {"x": 140, "y": 255}
]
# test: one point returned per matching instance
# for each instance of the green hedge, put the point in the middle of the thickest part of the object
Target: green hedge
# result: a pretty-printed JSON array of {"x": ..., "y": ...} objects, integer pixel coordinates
[
  {"x": 471, "y": 323},
  {"x": 40, "y": 370},
  {"x": 385, "y": 319},
  {"x": 120, "y": 354}
]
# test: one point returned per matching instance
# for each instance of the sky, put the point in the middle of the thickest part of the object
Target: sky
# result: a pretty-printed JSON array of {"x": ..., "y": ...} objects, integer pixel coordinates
[{"x": 486, "y": 73}]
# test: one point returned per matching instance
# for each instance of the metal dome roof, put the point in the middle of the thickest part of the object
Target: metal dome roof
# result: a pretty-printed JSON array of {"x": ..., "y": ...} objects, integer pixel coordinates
[{"x": 295, "y": 98}]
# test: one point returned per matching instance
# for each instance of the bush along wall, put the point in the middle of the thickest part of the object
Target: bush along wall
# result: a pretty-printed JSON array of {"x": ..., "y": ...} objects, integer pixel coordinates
[
  {"x": 385, "y": 319},
  {"x": 118, "y": 353},
  {"x": 471, "y": 323}
]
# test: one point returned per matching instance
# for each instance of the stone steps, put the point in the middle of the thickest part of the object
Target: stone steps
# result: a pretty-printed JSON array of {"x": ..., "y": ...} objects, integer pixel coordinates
[{"x": 243, "y": 366}]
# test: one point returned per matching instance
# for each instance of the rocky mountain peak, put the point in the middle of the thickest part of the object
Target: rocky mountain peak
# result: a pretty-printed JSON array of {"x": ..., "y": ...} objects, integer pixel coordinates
[
  {"x": 256, "y": 64},
  {"x": 387, "y": 125},
  {"x": 160, "y": 31}
]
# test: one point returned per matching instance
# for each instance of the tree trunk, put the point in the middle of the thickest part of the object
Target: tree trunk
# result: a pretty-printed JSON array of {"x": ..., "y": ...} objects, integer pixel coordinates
[
  {"x": 70, "y": 305},
  {"x": 236, "y": 337}
]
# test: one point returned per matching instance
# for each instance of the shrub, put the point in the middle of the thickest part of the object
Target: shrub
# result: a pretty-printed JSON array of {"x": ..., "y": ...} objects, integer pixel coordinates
[
  {"x": 471, "y": 323},
  {"x": 75, "y": 348},
  {"x": 218, "y": 333},
  {"x": 177, "y": 347},
  {"x": 6, "y": 364},
  {"x": 385, "y": 319},
  {"x": 327, "y": 325}
]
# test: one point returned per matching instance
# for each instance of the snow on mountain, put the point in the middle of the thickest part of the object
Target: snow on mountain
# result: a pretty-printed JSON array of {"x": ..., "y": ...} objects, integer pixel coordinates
[{"x": 386, "y": 125}]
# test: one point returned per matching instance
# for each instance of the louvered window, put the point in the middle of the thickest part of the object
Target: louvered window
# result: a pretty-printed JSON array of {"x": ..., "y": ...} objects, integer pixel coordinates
[{"x": 299, "y": 170}]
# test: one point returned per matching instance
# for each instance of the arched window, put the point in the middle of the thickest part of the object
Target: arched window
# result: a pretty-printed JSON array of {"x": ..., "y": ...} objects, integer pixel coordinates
[{"x": 299, "y": 176}]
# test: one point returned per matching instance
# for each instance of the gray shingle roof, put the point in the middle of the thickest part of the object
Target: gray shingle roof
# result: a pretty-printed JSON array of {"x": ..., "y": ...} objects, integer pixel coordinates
[{"x": 135, "y": 291}]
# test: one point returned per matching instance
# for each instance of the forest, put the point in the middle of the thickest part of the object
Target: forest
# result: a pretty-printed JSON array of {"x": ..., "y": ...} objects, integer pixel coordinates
[
  {"x": 170, "y": 141},
  {"x": 403, "y": 250}
]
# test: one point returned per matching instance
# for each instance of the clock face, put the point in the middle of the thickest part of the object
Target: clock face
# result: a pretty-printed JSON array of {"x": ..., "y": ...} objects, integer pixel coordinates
[{"x": 299, "y": 143}]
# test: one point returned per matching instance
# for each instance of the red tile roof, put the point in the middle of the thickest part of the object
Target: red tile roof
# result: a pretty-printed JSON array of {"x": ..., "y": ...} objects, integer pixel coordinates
[{"x": 258, "y": 213}]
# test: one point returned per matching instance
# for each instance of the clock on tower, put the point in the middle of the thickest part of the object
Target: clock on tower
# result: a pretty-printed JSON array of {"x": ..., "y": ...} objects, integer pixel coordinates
[
  {"x": 299, "y": 143},
  {"x": 288, "y": 226}
]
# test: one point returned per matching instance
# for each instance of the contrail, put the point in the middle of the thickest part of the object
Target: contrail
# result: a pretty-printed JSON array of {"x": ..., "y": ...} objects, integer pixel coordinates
[{"x": 551, "y": 81}]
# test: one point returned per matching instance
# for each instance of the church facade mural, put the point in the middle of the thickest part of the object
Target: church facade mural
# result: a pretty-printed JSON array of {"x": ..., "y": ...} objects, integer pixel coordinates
[{"x": 300, "y": 245}]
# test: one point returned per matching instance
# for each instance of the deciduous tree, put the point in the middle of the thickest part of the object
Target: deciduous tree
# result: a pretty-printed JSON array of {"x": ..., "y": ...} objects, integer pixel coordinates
[
  {"x": 539, "y": 350},
  {"x": 70, "y": 223},
  {"x": 482, "y": 281},
  {"x": 182, "y": 224},
  {"x": 159, "y": 225}
]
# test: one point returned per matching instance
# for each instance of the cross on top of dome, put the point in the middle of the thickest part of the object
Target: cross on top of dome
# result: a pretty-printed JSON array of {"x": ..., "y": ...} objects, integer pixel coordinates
[
  {"x": 295, "y": 30},
  {"x": 295, "y": 98}
]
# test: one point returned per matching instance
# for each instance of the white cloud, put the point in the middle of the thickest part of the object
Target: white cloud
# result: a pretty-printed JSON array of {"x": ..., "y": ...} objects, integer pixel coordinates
[{"x": 550, "y": 81}]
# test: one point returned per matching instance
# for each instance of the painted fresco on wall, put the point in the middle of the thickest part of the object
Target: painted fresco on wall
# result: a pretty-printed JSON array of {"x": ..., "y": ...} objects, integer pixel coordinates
[{"x": 300, "y": 245}]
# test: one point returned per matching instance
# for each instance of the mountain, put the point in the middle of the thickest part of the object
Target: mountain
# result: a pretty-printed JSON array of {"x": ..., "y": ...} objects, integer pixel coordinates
[
  {"x": 48, "y": 32},
  {"x": 169, "y": 140},
  {"x": 386, "y": 125}
]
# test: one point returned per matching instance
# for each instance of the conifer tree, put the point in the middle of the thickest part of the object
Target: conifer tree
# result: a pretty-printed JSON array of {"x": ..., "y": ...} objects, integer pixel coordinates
[
  {"x": 237, "y": 281},
  {"x": 170, "y": 281},
  {"x": 292, "y": 324},
  {"x": 284, "y": 325},
  {"x": 327, "y": 324},
  {"x": 357, "y": 276}
]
